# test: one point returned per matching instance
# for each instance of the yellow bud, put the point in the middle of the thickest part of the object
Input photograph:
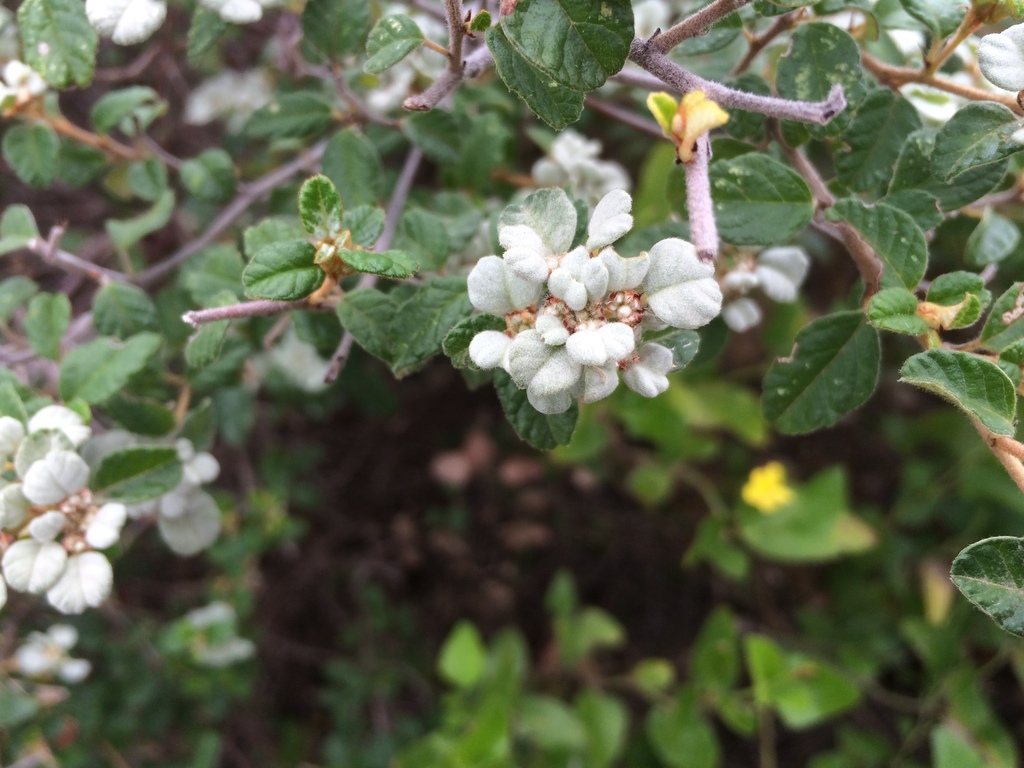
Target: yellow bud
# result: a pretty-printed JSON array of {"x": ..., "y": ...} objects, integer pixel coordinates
[
  {"x": 766, "y": 488},
  {"x": 696, "y": 115}
]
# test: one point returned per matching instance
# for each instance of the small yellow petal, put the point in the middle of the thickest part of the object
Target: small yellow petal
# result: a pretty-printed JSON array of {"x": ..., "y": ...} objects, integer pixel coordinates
[
  {"x": 698, "y": 115},
  {"x": 663, "y": 107},
  {"x": 766, "y": 488}
]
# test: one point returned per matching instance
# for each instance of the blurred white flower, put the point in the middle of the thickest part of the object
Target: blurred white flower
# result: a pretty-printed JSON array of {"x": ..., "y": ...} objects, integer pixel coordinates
[
  {"x": 11, "y": 434},
  {"x": 239, "y": 11},
  {"x": 126, "y": 22},
  {"x": 33, "y": 566},
  {"x": 62, "y": 419},
  {"x": 85, "y": 583},
  {"x": 573, "y": 162},
  {"x": 1001, "y": 58},
  {"x": 44, "y": 654},
  {"x": 230, "y": 95},
  {"x": 55, "y": 477},
  {"x": 298, "y": 361},
  {"x": 741, "y": 315},
  {"x": 105, "y": 528}
]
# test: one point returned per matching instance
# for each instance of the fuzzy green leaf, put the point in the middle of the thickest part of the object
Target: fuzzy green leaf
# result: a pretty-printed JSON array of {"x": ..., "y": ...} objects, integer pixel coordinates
[
  {"x": 990, "y": 573},
  {"x": 758, "y": 200},
  {"x": 58, "y": 41},
  {"x": 914, "y": 171},
  {"x": 897, "y": 240},
  {"x": 320, "y": 208},
  {"x": 397, "y": 264},
  {"x": 978, "y": 134},
  {"x": 367, "y": 315},
  {"x": 425, "y": 319},
  {"x": 336, "y": 27},
  {"x": 291, "y": 116},
  {"x": 391, "y": 40},
  {"x": 995, "y": 238},
  {"x": 874, "y": 139},
  {"x": 895, "y": 309},
  {"x": 17, "y": 227},
  {"x": 46, "y": 321},
  {"x": 125, "y": 233},
  {"x": 284, "y": 271},
  {"x": 122, "y": 310},
  {"x": 541, "y": 431},
  {"x": 1005, "y": 325},
  {"x": 32, "y": 151},
  {"x": 98, "y": 369},
  {"x": 352, "y": 162},
  {"x": 137, "y": 474}
]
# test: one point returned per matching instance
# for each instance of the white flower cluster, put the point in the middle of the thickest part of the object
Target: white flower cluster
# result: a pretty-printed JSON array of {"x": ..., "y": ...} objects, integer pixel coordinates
[
  {"x": 20, "y": 84},
  {"x": 777, "y": 272},
  {"x": 51, "y": 512},
  {"x": 574, "y": 316},
  {"x": 46, "y": 655},
  {"x": 231, "y": 95},
  {"x": 128, "y": 22},
  {"x": 573, "y": 162},
  {"x": 296, "y": 360},
  {"x": 214, "y": 640}
]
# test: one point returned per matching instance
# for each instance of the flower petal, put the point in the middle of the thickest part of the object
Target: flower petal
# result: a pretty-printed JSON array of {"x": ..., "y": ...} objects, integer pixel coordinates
[
  {"x": 33, "y": 566},
  {"x": 488, "y": 348},
  {"x": 741, "y": 315},
  {"x": 680, "y": 289},
  {"x": 55, "y": 477},
  {"x": 85, "y": 583},
  {"x": 1001, "y": 58},
  {"x": 611, "y": 219}
]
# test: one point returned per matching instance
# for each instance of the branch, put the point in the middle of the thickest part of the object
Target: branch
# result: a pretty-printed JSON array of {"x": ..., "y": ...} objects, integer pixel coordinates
[
  {"x": 757, "y": 44},
  {"x": 1009, "y": 458},
  {"x": 895, "y": 77},
  {"x": 624, "y": 116},
  {"x": 249, "y": 194},
  {"x": 658, "y": 64},
  {"x": 257, "y": 308},
  {"x": 51, "y": 254},
  {"x": 695, "y": 24},
  {"x": 703, "y": 229},
  {"x": 474, "y": 65},
  {"x": 456, "y": 31}
]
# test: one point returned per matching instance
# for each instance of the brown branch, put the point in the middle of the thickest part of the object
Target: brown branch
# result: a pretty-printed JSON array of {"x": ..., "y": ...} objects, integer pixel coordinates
[
  {"x": 1009, "y": 459},
  {"x": 896, "y": 77},
  {"x": 695, "y": 24},
  {"x": 258, "y": 308},
  {"x": 624, "y": 116},
  {"x": 103, "y": 143},
  {"x": 703, "y": 229},
  {"x": 472, "y": 67},
  {"x": 52, "y": 254},
  {"x": 248, "y": 195},
  {"x": 782, "y": 24},
  {"x": 662, "y": 67}
]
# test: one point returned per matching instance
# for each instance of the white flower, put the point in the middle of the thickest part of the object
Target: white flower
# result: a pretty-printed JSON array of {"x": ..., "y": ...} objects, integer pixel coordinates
[
  {"x": 488, "y": 349},
  {"x": 194, "y": 524},
  {"x": 552, "y": 330},
  {"x": 680, "y": 290},
  {"x": 1001, "y": 58},
  {"x": 105, "y": 528},
  {"x": 393, "y": 85},
  {"x": 217, "y": 612},
  {"x": 42, "y": 654},
  {"x": 598, "y": 383},
  {"x": 494, "y": 288},
  {"x": 624, "y": 274},
  {"x": 299, "y": 362},
  {"x": 55, "y": 477},
  {"x": 46, "y": 527},
  {"x": 11, "y": 434},
  {"x": 740, "y": 280},
  {"x": 23, "y": 80},
  {"x": 650, "y": 16},
  {"x": 610, "y": 342},
  {"x": 610, "y": 220},
  {"x": 33, "y": 566},
  {"x": 579, "y": 278},
  {"x": 228, "y": 652},
  {"x": 741, "y": 315},
  {"x": 647, "y": 375},
  {"x": 13, "y": 506},
  {"x": 239, "y": 11},
  {"x": 63, "y": 420},
  {"x": 548, "y": 374},
  {"x": 572, "y": 162},
  {"x": 231, "y": 95},
  {"x": 781, "y": 272},
  {"x": 85, "y": 583},
  {"x": 74, "y": 671},
  {"x": 126, "y": 22}
]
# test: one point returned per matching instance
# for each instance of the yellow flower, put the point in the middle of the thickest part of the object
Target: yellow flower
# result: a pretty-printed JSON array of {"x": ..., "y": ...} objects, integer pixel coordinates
[
  {"x": 686, "y": 121},
  {"x": 766, "y": 488}
]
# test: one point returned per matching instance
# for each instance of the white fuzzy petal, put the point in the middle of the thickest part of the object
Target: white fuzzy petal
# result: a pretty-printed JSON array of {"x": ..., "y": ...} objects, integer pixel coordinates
[
  {"x": 33, "y": 566},
  {"x": 557, "y": 402},
  {"x": 610, "y": 220},
  {"x": 13, "y": 506},
  {"x": 62, "y": 419},
  {"x": 741, "y": 315},
  {"x": 526, "y": 264},
  {"x": 680, "y": 289},
  {"x": 521, "y": 236},
  {"x": 1001, "y": 58},
  {"x": 740, "y": 281},
  {"x": 488, "y": 348},
  {"x": 236, "y": 11},
  {"x": 64, "y": 636},
  {"x": 73, "y": 671},
  {"x": 55, "y": 477},
  {"x": 647, "y": 376},
  {"x": 11, "y": 434},
  {"x": 552, "y": 330},
  {"x": 105, "y": 529},
  {"x": 494, "y": 289},
  {"x": 624, "y": 274},
  {"x": 781, "y": 272},
  {"x": 598, "y": 383},
  {"x": 127, "y": 22},
  {"x": 594, "y": 277},
  {"x": 202, "y": 469},
  {"x": 526, "y": 354},
  {"x": 618, "y": 339},
  {"x": 587, "y": 347},
  {"x": 46, "y": 527},
  {"x": 85, "y": 583},
  {"x": 560, "y": 372},
  {"x": 196, "y": 528}
]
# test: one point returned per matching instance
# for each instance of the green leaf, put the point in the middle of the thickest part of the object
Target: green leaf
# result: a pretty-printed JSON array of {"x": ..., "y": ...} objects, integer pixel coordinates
[
  {"x": 951, "y": 749},
  {"x": 758, "y": 200},
  {"x": 462, "y": 657},
  {"x": 990, "y": 573},
  {"x": 125, "y": 233},
  {"x": 833, "y": 370},
  {"x": 11, "y": 403},
  {"x": 922, "y": 206},
  {"x": 456, "y": 343},
  {"x": 270, "y": 231},
  {"x": 391, "y": 40},
  {"x": 16, "y": 708},
  {"x": 131, "y": 110},
  {"x": 425, "y": 319},
  {"x": 1005, "y": 325},
  {"x": 592, "y": 39},
  {"x": 367, "y": 314},
  {"x": 98, "y": 369},
  {"x": 895, "y": 309},
  {"x": 209, "y": 176},
  {"x": 874, "y": 139},
  {"x": 141, "y": 416},
  {"x": 995, "y": 238},
  {"x": 31, "y": 151},
  {"x": 897, "y": 240},
  {"x": 15, "y": 291},
  {"x": 365, "y": 223},
  {"x": 122, "y": 309},
  {"x": 57, "y": 41},
  {"x": 803, "y": 690},
  {"x": 204, "y": 32},
  {"x": 684, "y": 345},
  {"x": 606, "y": 722},
  {"x": 291, "y": 116},
  {"x": 817, "y": 526},
  {"x": 481, "y": 22},
  {"x": 320, "y": 208},
  {"x": 284, "y": 271},
  {"x": 424, "y": 235},
  {"x": 336, "y": 27},
  {"x": 715, "y": 657},
  {"x": 914, "y": 171},
  {"x": 397, "y": 264},
  {"x": 549, "y": 724},
  {"x": 978, "y": 134},
  {"x": 137, "y": 474},
  {"x": 214, "y": 269},
  {"x": 717, "y": 36},
  {"x": 79, "y": 164},
  {"x": 952, "y": 288},
  {"x": 17, "y": 227},
  {"x": 437, "y": 133},
  {"x": 539, "y": 430},
  {"x": 352, "y": 162},
  {"x": 205, "y": 344},
  {"x": 46, "y": 322},
  {"x": 554, "y": 103},
  {"x": 942, "y": 17},
  {"x": 821, "y": 56},
  {"x": 147, "y": 179},
  {"x": 974, "y": 385},
  {"x": 680, "y": 735}
]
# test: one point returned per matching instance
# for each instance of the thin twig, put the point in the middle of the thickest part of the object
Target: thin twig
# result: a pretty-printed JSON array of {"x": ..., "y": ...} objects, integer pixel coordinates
[
  {"x": 248, "y": 195},
  {"x": 104, "y": 143},
  {"x": 895, "y": 77},
  {"x": 1010, "y": 461},
  {"x": 782, "y": 24},
  {"x": 474, "y": 65},
  {"x": 662, "y": 67},
  {"x": 624, "y": 116},
  {"x": 695, "y": 24},
  {"x": 703, "y": 229},
  {"x": 456, "y": 31},
  {"x": 52, "y": 254},
  {"x": 257, "y": 308}
]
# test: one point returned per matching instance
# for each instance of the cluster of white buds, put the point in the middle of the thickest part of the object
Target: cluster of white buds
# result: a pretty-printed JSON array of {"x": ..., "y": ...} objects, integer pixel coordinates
[
  {"x": 52, "y": 527},
  {"x": 229, "y": 95},
  {"x": 575, "y": 316},
  {"x": 45, "y": 655},
  {"x": 213, "y": 639},
  {"x": 777, "y": 272},
  {"x": 20, "y": 84},
  {"x": 573, "y": 162},
  {"x": 128, "y": 22}
]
